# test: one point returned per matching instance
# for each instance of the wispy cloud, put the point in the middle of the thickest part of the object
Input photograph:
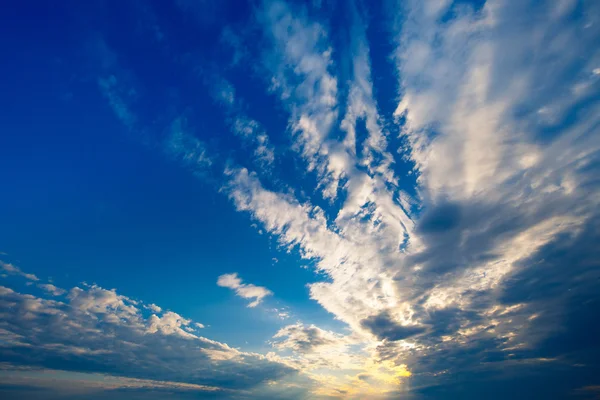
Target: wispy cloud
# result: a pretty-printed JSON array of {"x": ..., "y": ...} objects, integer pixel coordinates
[
  {"x": 244, "y": 290},
  {"x": 249, "y": 130},
  {"x": 298, "y": 60},
  {"x": 118, "y": 101},
  {"x": 50, "y": 288},
  {"x": 12, "y": 269},
  {"x": 184, "y": 146},
  {"x": 78, "y": 383}
]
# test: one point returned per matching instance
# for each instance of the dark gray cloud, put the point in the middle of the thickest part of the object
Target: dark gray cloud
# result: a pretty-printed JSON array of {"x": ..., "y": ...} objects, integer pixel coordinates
[
  {"x": 552, "y": 348},
  {"x": 508, "y": 269},
  {"x": 384, "y": 327},
  {"x": 440, "y": 219}
]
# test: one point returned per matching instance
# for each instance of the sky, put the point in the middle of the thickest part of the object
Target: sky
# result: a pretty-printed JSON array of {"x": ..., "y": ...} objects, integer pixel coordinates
[{"x": 279, "y": 199}]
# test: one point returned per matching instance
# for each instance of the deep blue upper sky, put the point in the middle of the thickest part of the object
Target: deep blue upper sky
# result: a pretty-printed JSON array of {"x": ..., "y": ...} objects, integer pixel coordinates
[
  {"x": 93, "y": 202},
  {"x": 290, "y": 199}
]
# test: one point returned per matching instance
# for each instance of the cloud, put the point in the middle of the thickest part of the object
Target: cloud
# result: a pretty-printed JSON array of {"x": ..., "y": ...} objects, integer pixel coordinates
[
  {"x": 298, "y": 63},
  {"x": 249, "y": 130},
  {"x": 169, "y": 324},
  {"x": 77, "y": 383},
  {"x": 498, "y": 192},
  {"x": 282, "y": 313},
  {"x": 98, "y": 301},
  {"x": 118, "y": 100},
  {"x": 322, "y": 354},
  {"x": 154, "y": 308},
  {"x": 361, "y": 104},
  {"x": 230, "y": 38},
  {"x": 100, "y": 331},
  {"x": 50, "y": 288},
  {"x": 14, "y": 270},
  {"x": 304, "y": 339},
  {"x": 244, "y": 290},
  {"x": 385, "y": 328},
  {"x": 188, "y": 149}
]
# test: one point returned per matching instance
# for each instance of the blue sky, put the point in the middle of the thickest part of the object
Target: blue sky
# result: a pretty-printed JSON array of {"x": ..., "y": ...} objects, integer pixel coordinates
[{"x": 285, "y": 199}]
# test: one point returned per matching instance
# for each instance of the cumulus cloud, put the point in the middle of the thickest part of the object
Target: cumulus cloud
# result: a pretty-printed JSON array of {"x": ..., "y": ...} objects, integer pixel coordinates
[
  {"x": 169, "y": 324},
  {"x": 104, "y": 332},
  {"x": 244, "y": 290}
]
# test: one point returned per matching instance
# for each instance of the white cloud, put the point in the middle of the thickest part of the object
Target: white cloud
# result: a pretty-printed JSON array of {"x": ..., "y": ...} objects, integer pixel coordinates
[
  {"x": 102, "y": 329},
  {"x": 14, "y": 270},
  {"x": 282, "y": 313},
  {"x": 244, "y": 290},
  {"x": 50, "y": 288},
  {"x": 322, "y": 354},
  {"x": 353, "y": 257},
  {"x": 169, "y": 324},
  {"x": 299, "y": 62},
  {"x": 362, "y": 104},
  {"x": 98, "y": 301},
  {"x": 154, "y": 308}
]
